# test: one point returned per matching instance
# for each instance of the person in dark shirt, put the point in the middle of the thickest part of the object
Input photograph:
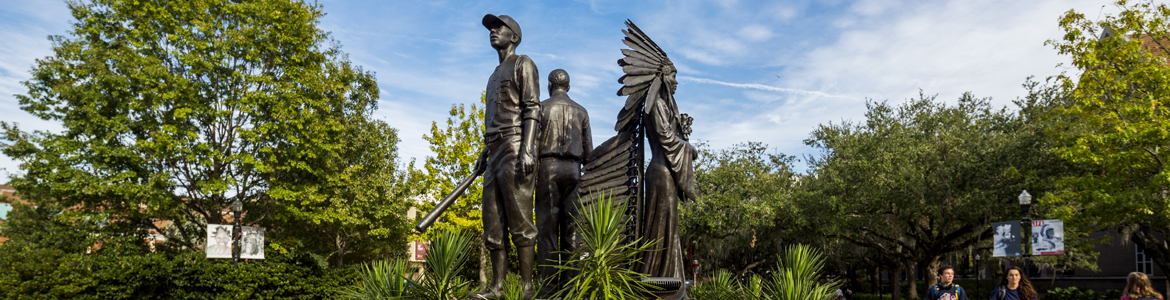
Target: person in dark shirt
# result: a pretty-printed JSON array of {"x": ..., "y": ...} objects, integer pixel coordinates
[
  {"x": 1014, "y": 286},
  {"x": 565, "y": 144},
  {"x": 946, "y": 289}
]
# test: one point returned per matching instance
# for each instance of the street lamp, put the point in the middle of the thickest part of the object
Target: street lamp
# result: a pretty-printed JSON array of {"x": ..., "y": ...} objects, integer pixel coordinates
[
  {"x": 978, "y": 272},
  {"x": 1026, "y": 224},
  {"x": 237, "y": 208}
]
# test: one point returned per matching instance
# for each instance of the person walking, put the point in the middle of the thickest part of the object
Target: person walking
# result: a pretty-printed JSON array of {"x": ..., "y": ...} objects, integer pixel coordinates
[
  {"x": 946, "y": 289},
  {"x": 1014, "y": 286},
  {"x": 1138, "y": 287}
]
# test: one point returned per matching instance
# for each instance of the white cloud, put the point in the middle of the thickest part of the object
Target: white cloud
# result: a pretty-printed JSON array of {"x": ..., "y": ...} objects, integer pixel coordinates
[{"x": 755, "y": 33}]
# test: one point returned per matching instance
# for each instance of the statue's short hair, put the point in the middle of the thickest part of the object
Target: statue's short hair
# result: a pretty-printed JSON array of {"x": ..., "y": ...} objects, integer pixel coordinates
[{"x": 558, "y": 78}]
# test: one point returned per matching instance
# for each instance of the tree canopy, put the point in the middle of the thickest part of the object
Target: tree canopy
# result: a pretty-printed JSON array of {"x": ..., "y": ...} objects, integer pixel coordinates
[
  {"x": 172, "y": 110},
  {"x": 1114, "y": 124}
]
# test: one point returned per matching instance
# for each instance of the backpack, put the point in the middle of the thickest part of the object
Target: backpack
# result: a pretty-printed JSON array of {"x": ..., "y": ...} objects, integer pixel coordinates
[{"x": 934, "y": 293}]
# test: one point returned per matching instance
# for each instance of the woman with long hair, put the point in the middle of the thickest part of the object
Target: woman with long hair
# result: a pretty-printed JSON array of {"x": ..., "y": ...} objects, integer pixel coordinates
[
  {"x": 1138, "y": 287},
  {"x": 1014, "y": 286}
]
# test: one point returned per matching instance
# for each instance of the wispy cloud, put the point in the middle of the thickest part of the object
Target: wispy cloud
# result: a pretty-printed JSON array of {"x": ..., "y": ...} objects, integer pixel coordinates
[{"x": 762, "y": 87}]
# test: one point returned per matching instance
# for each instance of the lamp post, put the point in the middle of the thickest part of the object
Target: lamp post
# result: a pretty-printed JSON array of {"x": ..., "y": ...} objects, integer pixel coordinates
[
  {"x": 978, "y": 272},
  {"x": 1026, "y": 224},
  {"x": 237, "y": 208}
]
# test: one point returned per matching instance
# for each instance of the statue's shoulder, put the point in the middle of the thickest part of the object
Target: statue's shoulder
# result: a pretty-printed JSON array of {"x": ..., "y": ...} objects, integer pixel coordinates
[{"x": 524, "y": 60}]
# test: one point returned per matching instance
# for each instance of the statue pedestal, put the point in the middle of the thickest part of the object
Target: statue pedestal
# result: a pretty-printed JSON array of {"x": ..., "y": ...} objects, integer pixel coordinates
[{"x": 668, "y": 287}]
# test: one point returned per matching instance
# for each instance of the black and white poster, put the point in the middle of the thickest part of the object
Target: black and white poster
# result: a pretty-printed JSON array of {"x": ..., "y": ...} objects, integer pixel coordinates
[
  {"x": 252, "y": 243},
  {"x": 1047, "y": 237},
  {"x": 1007, "y": 239},
  {"x": 219, "y": 241}
]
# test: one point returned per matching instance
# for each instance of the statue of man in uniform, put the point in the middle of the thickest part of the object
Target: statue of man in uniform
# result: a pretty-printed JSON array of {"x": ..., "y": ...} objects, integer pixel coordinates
[
  {"x": 565, "y": 143},
  {"x": 511, "y": 127}
]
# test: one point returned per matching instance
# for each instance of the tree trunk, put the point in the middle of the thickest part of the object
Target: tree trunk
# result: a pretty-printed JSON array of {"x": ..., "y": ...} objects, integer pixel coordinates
[
  {"x": 913, "y": 284},
  {"x": 932, "y": 271},
  {"x": 896, "y": 282},
  {"x": 340, "y": 249},
  {"x": 875, "y": 280}
]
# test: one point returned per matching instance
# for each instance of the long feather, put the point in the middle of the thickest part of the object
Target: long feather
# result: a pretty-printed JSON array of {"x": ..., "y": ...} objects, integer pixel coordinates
[
  {"x": 652, "y": 94},
  {"x": 637, "y": 62},
  {"x": 638, "y": 31},
  {"x": 635, "y": 80},
  {"x": 636, "y": 70},
  {"x": 642, "y": 43},
  {"x": 641, "y": 56},
  {"x": 637, "y": 42}
]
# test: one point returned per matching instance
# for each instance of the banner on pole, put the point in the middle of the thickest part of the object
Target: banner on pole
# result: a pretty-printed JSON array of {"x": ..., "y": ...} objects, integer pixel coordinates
[
  {"x": 252, "y": 243},
  {"x": 219, "y": 242},
  {"x": 1007, "y": 239},
  {"x": 1047, "y": 237}
]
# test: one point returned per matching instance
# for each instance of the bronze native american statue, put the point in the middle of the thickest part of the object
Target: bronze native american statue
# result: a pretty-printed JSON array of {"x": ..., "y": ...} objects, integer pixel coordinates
[{"x": 617, "y": 168}]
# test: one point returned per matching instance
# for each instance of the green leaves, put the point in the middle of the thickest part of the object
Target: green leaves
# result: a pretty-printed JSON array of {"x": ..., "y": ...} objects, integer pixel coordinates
[
  {"x": 797, "y": 275},
  {"x": 172, "y": 110},
  {"x": 924, "y": 178},
  {"x": 744, "y": 205},
  {"x": 448, "y": 254},
  {"x": 456, "y": 146},
  {"x": 1114, "y": 125},
  {"x": 601, "y": 265}
]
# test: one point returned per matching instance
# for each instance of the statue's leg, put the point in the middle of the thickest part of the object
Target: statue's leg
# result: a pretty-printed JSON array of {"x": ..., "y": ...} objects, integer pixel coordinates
[
  {"x": 547, "y": 217},
  {"x": 516, "y": 194},
  {"x": 568, "y": 213},
  {"x": 493, "y": 232}
]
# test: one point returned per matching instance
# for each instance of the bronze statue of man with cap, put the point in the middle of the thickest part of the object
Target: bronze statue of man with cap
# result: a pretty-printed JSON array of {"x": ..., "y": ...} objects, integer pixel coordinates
[{"x": 511, "y": 126}]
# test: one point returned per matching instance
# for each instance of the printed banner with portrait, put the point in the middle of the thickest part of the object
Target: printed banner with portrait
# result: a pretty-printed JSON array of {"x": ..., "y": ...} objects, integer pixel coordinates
[
  {"x": 219, "y": 241},
  {"x": 1047, "y": 237},
  {"x": 1007, "y": 239}
]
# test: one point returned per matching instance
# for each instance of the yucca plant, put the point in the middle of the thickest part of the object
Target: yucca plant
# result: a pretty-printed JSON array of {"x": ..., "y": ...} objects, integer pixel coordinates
[
  {"x": 722, "y": 286},
  {"x": 796, "y": 276},
  {"x": 513, "y": 289},
  {"x": 381, "y": 280},
  {"x": 447, "y": 255},
  {"x": 602, "y": 266},
  {"x": 754, "y": 290}
]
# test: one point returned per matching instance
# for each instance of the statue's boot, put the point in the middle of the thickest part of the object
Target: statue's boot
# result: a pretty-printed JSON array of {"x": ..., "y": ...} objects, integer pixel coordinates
[
  {"x": 527, "y": 256},
  {"x": 499, "y": 260}
]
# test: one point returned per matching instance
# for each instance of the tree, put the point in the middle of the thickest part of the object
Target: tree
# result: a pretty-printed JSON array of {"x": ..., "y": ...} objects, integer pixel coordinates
[
  {"x": 922, "y": 179},
  {"x": 175, "y": 109},
  {"x": 362, "y": 201},
  {"x": 456, "y": 147},
  {"x": 1115, "y": 124},
  {"x": 738, "y": 220}
]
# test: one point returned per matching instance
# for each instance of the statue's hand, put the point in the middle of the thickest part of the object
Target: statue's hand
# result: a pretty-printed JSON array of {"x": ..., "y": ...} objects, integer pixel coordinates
[
  {"x": 481, "y": 162},
  {"x": 527, "y": 164}
]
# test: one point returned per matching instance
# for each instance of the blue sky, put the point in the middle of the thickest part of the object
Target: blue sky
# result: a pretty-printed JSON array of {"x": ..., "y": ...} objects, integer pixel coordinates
[{"x": 764, "y": 71}]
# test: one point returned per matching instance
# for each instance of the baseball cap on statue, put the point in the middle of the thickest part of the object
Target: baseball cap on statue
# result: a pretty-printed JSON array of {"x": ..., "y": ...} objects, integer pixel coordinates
[{"x": 489, "y": 19}]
